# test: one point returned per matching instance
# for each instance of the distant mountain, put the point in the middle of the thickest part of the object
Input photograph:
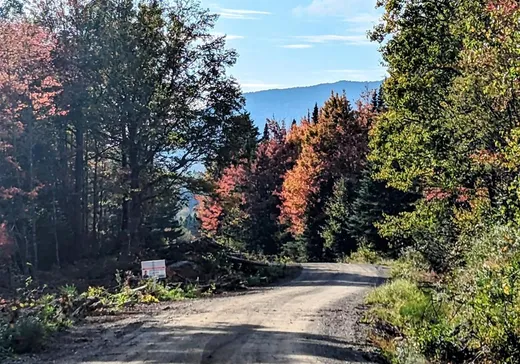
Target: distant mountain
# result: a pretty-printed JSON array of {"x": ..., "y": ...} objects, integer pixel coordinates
[{"x": 293, "y": 103}]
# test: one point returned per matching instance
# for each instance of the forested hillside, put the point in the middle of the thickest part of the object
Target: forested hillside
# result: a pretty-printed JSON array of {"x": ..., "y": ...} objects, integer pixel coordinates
[
  {"x": 292, "y": 103},
  {"x": 308, "y": 192}
]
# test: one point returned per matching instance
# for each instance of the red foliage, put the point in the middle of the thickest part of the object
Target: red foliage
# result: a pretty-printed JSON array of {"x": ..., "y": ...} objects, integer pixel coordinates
[
  {"x": 209, "y": 212},
  {"x": 335, "y": 146},
  {"x": 228, "y": 191},
  {"x": 28, "y": 89},
  {"x": 27, "y": 76},
  {"x": 431, "y": 194},
  {"x": 505, "y": 7}
]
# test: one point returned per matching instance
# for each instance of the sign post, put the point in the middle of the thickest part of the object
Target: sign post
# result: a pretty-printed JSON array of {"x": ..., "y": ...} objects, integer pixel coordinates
[{"x": 153, "y": 269}]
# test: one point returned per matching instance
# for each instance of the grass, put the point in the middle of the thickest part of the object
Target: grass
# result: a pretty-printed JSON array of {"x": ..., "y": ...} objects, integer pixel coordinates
[{"x": 366, "y": 254}]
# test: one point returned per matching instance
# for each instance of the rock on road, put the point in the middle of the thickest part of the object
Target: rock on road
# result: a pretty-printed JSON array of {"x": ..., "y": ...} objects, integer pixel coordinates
[{"x": 310, "y": 319}]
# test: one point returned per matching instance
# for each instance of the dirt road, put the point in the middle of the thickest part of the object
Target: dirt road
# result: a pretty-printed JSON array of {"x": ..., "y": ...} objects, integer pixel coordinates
[{"x": 311, "y": 319}]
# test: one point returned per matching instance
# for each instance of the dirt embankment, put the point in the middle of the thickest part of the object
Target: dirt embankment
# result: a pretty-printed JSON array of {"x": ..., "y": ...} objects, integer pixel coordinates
[{"x": 312, "y": 319}]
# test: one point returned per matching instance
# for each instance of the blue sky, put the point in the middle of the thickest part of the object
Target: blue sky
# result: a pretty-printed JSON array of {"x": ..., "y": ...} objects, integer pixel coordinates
[{"x": 288, "y": 43}]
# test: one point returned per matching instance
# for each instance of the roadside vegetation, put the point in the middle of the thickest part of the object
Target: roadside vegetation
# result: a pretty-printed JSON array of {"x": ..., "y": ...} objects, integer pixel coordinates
[
  {"x": 451, "y": 135},
  {"x": 30, "y": 319}
]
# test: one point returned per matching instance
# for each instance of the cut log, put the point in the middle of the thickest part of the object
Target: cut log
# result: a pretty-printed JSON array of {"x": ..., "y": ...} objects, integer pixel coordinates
[{"x": 253, "y": 263}]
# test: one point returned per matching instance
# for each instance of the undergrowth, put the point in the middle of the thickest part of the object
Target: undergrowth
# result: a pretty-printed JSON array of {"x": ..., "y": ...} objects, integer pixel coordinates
[
  {"x": 470, "y": 314},
  {"x": 366, "y": 254},
  {"x": 27, "y": 323}
]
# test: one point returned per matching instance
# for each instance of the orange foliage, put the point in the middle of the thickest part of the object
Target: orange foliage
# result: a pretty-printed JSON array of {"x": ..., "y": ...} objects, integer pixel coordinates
[
  {"x": 335, "y": 146},
  {"x": 228, "y": 191},
  {"x": 28, "y": 89}
]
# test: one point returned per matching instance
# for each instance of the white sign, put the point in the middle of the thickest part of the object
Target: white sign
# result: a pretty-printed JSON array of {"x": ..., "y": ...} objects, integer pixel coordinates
[{"x": 153, "y": 269}]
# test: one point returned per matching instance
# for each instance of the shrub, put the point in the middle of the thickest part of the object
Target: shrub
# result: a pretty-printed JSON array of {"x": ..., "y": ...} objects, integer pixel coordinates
[
  {"x": 28, "y": 335},
  {"x": 399, "y": 303},
  {"x": 411, "y": 266},
  {"x": 365, "y": 254},
  {"x": 473, "y": 316},
  {"x": 295, "y": 251},
  {"x": 162, "y": 292}
]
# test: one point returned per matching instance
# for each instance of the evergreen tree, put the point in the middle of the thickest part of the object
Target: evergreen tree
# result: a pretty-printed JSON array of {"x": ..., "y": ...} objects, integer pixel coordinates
[
  {"x": 315, "y": 114},
  {"x": 338, "y": 210},
  {"x": 373, "y": 200},
  {"x": 238, "y": 146},
  {"x": 380, "y": 105},
  {"x": 265, "y": 135},
  {"x": 374, "y": 101}
]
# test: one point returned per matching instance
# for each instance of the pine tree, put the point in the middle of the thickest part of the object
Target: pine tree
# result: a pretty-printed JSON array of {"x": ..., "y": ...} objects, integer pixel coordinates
[
  {"x": 265, "y": 136},
  {"x": 375, "y": 102},
  {"x": 315, "y": 114},
  {"x": 374, "y": 200},
  {"x": 338, "y": 210},
  {"x": 380, "y": 105}
]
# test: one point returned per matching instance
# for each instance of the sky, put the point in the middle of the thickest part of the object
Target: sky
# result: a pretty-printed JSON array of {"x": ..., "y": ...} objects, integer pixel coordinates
[{"x": 289, "y": 43}]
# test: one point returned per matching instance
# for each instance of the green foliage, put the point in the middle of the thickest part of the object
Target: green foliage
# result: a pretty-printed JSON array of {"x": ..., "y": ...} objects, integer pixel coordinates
[
  {"x": 473, "y": 316},
  {"x": 431, "y": 230},
  {"x": 27, "y": 335},
  {"x": 365, "y": 254},
  {"x": 337, "y": 211},
  {"x": 373, "y": 201},
  {"x": 410, "y": 266},
  {"x": 400, "y": 302},
  {"x": 33, "y": 320},
  {"x": 295, "y": 251},
  {"x": 69, "y": 291}
]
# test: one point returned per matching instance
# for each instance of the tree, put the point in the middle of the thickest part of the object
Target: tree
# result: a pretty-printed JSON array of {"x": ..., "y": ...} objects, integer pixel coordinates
[
  {"x": 10, "y": 9},
  {"x": 106, "y": 108},
  {"x": 446, "y": 131},
  {"x": 273, "y": 158},
  {"x": 222, "y": 213},
  {"x": 239, "y": 143},
  {"x": 331, "y": 149},
  {"x": 315, "y": 114},
  {"x": 338, "y": 210},
  {"x": 29, "y": 87},
  {"x": 372, "y": 202}
]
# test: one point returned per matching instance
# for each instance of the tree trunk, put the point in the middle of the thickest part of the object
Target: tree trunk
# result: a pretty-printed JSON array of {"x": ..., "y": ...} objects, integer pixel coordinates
[
  {"x": 32, "y": 216},
  {"x": 85, "y": 199},
  {"x": 95, "y": 205},
  {"x": 124, "y": 165},
  {"x": 135, "y": 193},
  {"x": 55, "y": 220},
  {"x": 79, "y": 186}
]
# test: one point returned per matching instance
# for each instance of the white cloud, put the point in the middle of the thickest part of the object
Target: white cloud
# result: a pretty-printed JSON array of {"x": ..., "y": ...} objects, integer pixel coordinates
[
  {"x": 329, "y": 38},
  {"x": 374, "y": 74},
  {"x": 297, "y": 46},
  {"x": 326, "y": 8},
  {"x": 228, "y": 36},
  {"x": 364, "y": 18},
  {"x": 241, "y": 13},
  {"x": 363, "y": 22}
]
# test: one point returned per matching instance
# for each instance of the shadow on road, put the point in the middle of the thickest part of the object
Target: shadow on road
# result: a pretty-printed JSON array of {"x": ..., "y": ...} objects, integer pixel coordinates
[
  {"x": 320, "y": 277},
  {"x": 234, "y": 344}
]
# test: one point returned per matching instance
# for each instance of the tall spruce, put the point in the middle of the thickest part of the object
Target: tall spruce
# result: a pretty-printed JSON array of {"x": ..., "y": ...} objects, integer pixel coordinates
[{"x": 338, "y": 211}]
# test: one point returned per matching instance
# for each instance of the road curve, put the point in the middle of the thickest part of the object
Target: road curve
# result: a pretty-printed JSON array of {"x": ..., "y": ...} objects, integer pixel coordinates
[{"x": 279, "y": 325}]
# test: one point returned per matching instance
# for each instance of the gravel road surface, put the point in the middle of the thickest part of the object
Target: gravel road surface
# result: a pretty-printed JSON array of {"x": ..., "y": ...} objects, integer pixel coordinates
[{"x": 311, "y": 319}]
